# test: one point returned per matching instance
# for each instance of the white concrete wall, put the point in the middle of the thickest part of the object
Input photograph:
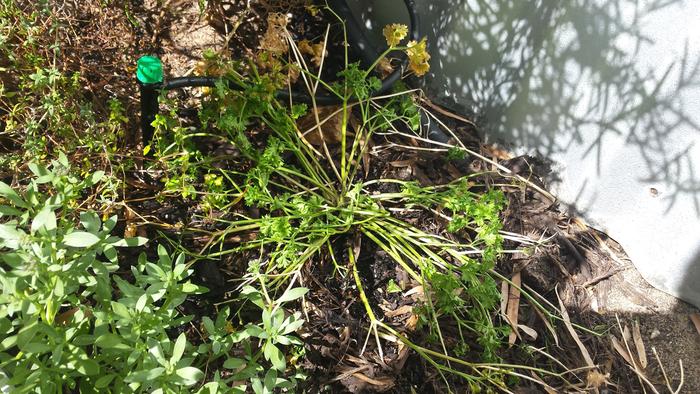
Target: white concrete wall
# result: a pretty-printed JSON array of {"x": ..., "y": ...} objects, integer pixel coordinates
[{"x": 607, "y": 89}]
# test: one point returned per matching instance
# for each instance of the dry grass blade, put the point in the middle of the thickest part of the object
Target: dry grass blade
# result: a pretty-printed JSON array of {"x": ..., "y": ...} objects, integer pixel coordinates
[
  {"x": 446, "y": 113},
  {"x": 663, "y": 372},
  {"x": 549, "y": 389},
  {"x": 572, "y": 332},
  {"x": 478, "y": 155},
  {"x": 627, "y": 354},
  {"x": 546, "y": 322},
  {"x": 349, "y": 372},
  {"x": 381, "y": 384},
  {"x": 621, "y": 350}
]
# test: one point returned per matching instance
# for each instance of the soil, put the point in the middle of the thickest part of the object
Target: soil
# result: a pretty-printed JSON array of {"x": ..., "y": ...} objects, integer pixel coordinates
[{"x": 595, "y": 280}]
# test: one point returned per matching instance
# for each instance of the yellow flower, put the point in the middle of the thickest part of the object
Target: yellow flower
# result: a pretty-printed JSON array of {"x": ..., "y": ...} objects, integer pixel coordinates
[
  {"x": 420, "y": 69},
  {"x": 394, "y": 33},
  {"x": 418, "y": 57}
]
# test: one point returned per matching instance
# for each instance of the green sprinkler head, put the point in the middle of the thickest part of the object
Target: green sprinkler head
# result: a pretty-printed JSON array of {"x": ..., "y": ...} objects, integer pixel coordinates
[{"x": 149, "y": 70}]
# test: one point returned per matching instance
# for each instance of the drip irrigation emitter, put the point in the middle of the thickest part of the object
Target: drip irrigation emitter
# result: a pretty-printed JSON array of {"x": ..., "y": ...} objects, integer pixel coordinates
[{"x": 149, "y": 72}]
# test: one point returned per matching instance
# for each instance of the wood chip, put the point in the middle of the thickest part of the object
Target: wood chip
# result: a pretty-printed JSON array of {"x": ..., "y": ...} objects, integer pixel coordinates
[
  {"x": 402, "y": 163},
  {"x": 400, "y": 360}
]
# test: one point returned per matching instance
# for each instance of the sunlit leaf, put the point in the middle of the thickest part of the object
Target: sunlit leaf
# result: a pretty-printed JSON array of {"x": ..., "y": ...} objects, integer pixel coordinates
[{"x": 80, "y": 239}]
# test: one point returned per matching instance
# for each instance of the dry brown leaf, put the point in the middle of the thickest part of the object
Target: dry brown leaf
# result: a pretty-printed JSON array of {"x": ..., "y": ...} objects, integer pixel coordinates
[
  {"x": 402, "y": 310},
  {"x": 65, "y": 317},
  {"x": 530, "y": 332},
  {"x": 620, "y": 349},
  {"x": 366, "y": 158},
  {"x": 131, "y": 228},
  {"x": 513, "y": 307},
  {"x": 316, "y": 51},
  {"x": 411, "y": 323},
  {"x": 639, "y": 344},
  {"x": 365, "y": 143},
  {"x": 626, "y": 334},
  {"x": 418, "y": 291},
  {"x": 695, "y": 318},
  {"x": 384, "y": 67},
  {"x": 496, "y": 152},
  {"x": 293, "y": 73},
  {"x": 330, "y": 124}
]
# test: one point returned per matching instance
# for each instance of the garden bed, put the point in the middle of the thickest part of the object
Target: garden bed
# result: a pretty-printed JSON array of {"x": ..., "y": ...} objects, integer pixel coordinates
[{"x": 395, "y": 295}]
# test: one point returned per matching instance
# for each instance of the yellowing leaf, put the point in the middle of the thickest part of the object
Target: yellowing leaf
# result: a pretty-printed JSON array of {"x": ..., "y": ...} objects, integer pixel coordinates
[{"x": 316, "y": 51}]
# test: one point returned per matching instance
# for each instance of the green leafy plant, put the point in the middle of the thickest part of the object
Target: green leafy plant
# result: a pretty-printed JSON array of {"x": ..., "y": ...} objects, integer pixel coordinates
[
  {"x": 50, "y": 272},
  {"x": 309, "y": 197}
]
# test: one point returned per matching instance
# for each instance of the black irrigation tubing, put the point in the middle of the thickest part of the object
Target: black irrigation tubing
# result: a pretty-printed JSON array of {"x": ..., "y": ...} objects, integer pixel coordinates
[{"x": 356, "y": 36}]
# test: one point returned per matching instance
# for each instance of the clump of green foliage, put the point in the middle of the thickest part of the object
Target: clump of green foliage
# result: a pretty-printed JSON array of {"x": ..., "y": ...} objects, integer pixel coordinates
[
  {"x": 310, "y": 197},
  {"x": 69, "y": 321},
  {"x": 42, "y": 106}
]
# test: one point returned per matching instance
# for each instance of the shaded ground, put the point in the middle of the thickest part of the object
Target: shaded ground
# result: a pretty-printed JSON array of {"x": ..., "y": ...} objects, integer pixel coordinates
[{"x": 594, "y": 279}]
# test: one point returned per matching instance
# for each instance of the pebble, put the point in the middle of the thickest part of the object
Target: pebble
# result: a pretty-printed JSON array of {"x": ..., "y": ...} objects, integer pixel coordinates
[{"x": 655, "y": 334}]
